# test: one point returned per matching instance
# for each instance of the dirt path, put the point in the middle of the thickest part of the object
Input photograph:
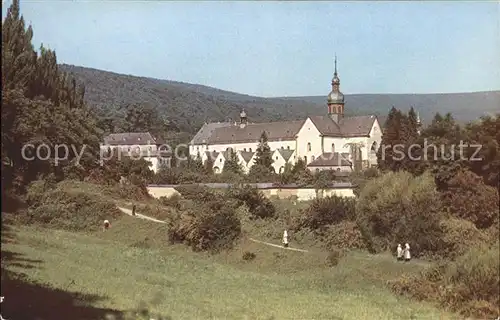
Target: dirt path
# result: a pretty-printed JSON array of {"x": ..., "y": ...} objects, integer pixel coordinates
[
  {"x": 277, "y": 246},
  {"x": 141, "y": 216}
]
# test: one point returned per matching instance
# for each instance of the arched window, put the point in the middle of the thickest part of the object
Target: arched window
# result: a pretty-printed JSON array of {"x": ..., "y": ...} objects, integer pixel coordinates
[
  {"x": 245, "y": 149},
  {"x": 374, "y": 147},
  {"x": 305, "y": 159},
  {"x": 317, "y": 170},
  {"x": 288, "y": 147},
  {"x": 312, "y": 158},
  {"x": 308, "y": 146},
  {"x": 281, "y": 169},
  {"x": 250, "y": 149},
  {"x": 333, "y": 147}
]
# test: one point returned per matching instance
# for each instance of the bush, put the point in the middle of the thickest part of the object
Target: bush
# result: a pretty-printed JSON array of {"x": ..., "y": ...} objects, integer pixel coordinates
[
  {"x": 461, "y": 189},
  {"x": 333, "y": 258},
  {"x": 458, "y": 236},
  {"x": 258, "y": 205},
  {"x": 131, "y": 191},
  {"x": 196, "y": 193},
  {"x": 398, "y": 208},
  {"x": 470, "y": 285},
  {"x": 174, "y": 201},
  {"x": 248, "y": 256},
  {"x": 344, "y": 235},
  {"x": 70, "y": 210},
  {"x": 206, "y": 229},
  {"x": 326, "y": 211}
]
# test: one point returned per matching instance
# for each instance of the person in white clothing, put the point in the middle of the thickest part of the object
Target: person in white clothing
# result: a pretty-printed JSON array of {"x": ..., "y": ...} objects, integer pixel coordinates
[
  {"x": 106, "y": 225},
  {"x": 399, "y": 252},
  {"x": 285, "y": 239},
  {"x": 407, "y": 252}
]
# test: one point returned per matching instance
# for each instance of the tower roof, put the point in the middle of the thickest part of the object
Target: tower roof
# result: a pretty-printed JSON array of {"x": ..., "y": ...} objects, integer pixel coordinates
[
  {"x": 336, "y": 79},
  {"x": 335, "y": 96}
]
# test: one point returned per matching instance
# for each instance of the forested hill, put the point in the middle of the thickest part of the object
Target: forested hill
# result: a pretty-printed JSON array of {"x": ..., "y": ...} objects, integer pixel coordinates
[
  {"x": 189, "y": 105},
  {"x": 463, "y": 106}
]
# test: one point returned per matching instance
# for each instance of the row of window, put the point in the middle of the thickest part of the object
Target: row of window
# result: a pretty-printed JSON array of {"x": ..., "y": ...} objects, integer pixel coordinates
[
  {"x": 373, "y": 148},
  {"x": 244, "y": 149}
]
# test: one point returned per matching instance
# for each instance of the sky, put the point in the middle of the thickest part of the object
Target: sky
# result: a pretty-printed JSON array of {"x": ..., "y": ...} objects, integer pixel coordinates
[{"x": 275, "y": 49}]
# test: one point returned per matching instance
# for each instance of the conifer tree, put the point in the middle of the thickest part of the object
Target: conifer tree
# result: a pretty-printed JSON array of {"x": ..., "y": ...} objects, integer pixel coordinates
[
  {"x": 209, "y": 165},
  {"x": 232, "y": 164},
  {"x": 412, "y": 126},
  {"x": 390, "y": 137},
  {"x": 263, "y": 155}
]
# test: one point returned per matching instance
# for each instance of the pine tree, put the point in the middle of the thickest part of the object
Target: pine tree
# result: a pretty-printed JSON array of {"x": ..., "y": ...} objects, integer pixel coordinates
[
  {"x": 263, "y": 155},
  {"x": 232, "y": 164},
  {"x": 412, "y": 126},
  {"x": 209, "y": 165},
  {"x": 40, "y": 106},
  {"x": 390, "y": 137}
]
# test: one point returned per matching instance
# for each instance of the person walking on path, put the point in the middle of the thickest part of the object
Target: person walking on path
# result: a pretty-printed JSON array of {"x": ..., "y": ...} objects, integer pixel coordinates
[
  {"x": 407, "y": 252},
  {"x": 399, "y": 252},
  {"x": 133, "y": 210},
  {"x": 285, "y": 239}
]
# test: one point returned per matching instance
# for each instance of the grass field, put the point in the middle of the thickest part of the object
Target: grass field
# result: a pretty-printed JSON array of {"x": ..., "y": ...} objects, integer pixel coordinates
[{"x": 132, "y": 264}]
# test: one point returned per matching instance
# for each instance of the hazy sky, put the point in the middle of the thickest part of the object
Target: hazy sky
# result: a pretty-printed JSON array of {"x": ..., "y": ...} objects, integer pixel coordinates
[{"x": 280, "y": 48}]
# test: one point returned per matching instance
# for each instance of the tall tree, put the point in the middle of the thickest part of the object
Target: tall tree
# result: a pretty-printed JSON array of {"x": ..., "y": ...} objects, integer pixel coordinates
[
  {"x": 412, "y": 126},
  {"x": 40, "y": 106},
  {"x": 263, "y": 156},
  {"x": 390, "y": 138},
  {"x": 232, "y": 164},
  {"x": 209, "y": 165}
]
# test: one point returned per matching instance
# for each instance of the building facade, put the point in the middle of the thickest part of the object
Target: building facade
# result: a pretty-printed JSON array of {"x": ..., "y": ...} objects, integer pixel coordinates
[
  {"x": 137, "y": 145},
  {"x": 328, "y": 142}
]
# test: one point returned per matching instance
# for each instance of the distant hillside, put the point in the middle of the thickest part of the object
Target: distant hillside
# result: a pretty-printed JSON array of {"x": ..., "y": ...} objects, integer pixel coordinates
[
  {"x": 464, "y": 106},
  {"x": 186, "y": 105},
  {"x": 189, "y": 105}
]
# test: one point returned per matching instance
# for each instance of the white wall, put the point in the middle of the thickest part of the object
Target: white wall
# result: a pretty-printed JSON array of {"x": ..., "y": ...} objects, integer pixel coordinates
[
  {"x": 375, "y": 136},
  {"x": 308, "y": 134},
  {"x": 304, "y": 194},
  {"x": 279, "y": 161},
  {"x": 333, "y": 168},
  {"x": 127, "y": 148},
  {"x": 247, "y": 146}
]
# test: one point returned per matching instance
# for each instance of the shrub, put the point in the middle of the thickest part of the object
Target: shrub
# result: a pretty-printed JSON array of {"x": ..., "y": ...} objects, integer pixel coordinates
[
  {"x": 174, "y": 201},
  {"x": 326, "y": 211},
  {"x": 470, "y": 285},
  {"x": 196, "y": 192},
  {"x": 461, "y": 189},
  {"x": 398, "y": 208},
  {"x": 206, "y": 229},
  {"x": 71, "y": 210},
  {"x": 131, "y": 191},
  {"x": 258, "y": 205},
  {"x": 344, "y": 235},
  {"x": 333, "y": 258},
  {"x": 248, "y": 256},
  {"x": 458, "y": 236}
]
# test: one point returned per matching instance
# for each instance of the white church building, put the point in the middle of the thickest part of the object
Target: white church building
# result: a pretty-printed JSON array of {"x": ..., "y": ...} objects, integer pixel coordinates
[{"x": 323, "y": 142}]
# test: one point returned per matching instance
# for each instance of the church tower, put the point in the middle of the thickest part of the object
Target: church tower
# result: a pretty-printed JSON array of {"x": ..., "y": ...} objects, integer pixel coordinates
[{"x": 335, "y": 98}]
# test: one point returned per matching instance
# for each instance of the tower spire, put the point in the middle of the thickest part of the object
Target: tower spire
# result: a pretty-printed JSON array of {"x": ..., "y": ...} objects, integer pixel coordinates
[{"x": 335, "y": 74}]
